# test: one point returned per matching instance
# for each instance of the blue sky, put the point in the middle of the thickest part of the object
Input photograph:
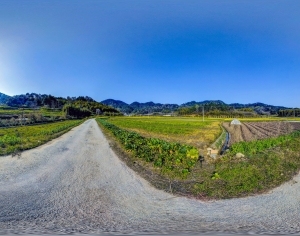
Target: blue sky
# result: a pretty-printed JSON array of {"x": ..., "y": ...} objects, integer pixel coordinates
[{"x": 165, "y": 51}]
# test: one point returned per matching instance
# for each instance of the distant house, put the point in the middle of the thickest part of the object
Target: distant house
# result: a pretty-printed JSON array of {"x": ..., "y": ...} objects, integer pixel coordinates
[
  {"x": 235, "y": 122},
  {"x": 212, "y": 153}
]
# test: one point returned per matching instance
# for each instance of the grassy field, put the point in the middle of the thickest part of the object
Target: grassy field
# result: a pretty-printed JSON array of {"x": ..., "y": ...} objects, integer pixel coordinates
[
  {"x": 267, "y": 163},
  {"x": 27, "y": 111},
  {"x": 26, "y": 137},
  {"x": 185, "y": 130}
]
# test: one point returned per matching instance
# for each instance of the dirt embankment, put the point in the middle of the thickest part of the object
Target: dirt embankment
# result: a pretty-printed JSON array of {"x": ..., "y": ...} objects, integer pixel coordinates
[{"x": 76, "y": 183}]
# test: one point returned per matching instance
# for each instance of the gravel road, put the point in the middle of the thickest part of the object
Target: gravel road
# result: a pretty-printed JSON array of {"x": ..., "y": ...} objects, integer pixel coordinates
[{"x": 76, "y": 183}]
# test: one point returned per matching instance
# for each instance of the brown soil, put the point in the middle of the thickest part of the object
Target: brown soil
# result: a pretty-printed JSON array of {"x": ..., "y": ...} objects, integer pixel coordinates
[{"x": 249, "y": 131}]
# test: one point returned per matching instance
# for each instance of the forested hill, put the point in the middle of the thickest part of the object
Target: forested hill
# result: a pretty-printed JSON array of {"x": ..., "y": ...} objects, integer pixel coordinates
[
  {"x": 3, "y": 98},
  {"x": 140, "y": 108},
  {"x": 34, "y": 100},
  {"x": 213, "y": 107}
]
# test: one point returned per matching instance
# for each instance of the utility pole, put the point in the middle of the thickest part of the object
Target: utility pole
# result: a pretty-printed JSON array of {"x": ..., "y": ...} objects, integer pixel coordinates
[{"x": 203, "y": 112}]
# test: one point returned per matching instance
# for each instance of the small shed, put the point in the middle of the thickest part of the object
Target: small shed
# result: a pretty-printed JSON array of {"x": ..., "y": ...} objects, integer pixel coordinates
[{"x": 235, "y": 122}]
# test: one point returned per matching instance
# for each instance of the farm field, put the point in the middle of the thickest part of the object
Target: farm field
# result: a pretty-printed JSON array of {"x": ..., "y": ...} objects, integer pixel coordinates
[
  {"x": 264, "y": 119},
  {"x": 267, "y": 163},
  {"x": 7, "y": 111},
  {"x": 186, "y": 130},
  {"x": 249, "y": 131},
  {"x": 26, "y": 137}
]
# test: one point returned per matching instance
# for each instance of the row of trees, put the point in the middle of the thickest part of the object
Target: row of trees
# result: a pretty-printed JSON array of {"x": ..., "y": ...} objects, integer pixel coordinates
[
  {"x": 84, "y": 108},
  {"x": 289, "y": 113},
  {"x": 214, "y": 112}
]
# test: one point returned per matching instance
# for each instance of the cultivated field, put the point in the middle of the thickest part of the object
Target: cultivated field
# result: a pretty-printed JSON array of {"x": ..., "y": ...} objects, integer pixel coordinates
[
  {"x": 11, "y": 112},
  {"x": 191, "y": 131},
  {"x": 26, "y": 137},
  {"x": 249, "y": 131}
]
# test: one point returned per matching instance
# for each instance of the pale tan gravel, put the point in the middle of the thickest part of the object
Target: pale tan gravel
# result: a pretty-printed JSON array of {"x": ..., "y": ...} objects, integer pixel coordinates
[{"x": 77, "y": 184}]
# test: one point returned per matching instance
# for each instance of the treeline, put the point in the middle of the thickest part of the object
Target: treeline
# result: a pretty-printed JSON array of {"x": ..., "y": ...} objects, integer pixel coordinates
[
  {"x": 84, "y": 108},
  {"x": 34, "y": 100},
  {"x": 289, "y": 113},
  {"x": 217, "y": 111},
  {"x": 75, "y": 107}
]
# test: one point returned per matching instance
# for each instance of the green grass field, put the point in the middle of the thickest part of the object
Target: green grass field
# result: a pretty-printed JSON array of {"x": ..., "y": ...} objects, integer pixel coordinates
[
  {"x": 26, "y": 137},
  {"x": 187, "y": 130},
  {"x": 27, "y": 111}
]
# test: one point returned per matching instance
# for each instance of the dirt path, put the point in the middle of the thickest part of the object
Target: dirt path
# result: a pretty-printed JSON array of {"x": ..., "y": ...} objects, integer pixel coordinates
[{"x": 77, "y": 184}]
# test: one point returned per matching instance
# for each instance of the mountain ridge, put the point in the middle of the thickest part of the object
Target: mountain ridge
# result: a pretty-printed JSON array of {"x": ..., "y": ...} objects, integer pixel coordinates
[{"x": 151, "y": 107}]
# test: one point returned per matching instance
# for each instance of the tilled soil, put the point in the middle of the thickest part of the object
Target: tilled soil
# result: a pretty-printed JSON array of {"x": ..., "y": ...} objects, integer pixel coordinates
[
  {"x": 76, "y": 184},
  {"x": 249, "y": 131}
]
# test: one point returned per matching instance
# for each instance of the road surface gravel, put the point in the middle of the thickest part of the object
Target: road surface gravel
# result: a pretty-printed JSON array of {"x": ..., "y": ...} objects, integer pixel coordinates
[{"x": 76, "y": 184}]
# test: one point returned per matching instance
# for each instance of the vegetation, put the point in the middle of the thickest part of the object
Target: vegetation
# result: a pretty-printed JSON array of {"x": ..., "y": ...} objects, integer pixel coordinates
[
  {"x": 212, "y": 108},
  {"x": 191, "y": 131},
  {"x": 220, "y": 141},
  {"x": 36, "y": 108},
  {"x": 3, "y": 98},
  {"x": 267, "y": 162},
  {"x": 256, "y": 146},
  {"x": 26, "y": 137},
  {"x": 173, "y": 159},
  {"x": 37, "y": 101},
  {"x": 273, "y": 162},
  {"x": 289, "y": 112}
]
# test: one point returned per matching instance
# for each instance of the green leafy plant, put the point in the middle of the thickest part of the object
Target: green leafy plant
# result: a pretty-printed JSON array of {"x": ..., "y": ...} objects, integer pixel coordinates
[{"x": 172, "y": 158}]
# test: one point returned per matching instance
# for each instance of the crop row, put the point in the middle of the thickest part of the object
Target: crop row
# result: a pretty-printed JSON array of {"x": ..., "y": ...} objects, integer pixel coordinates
[
  {"x": 174, "y": 159},
  {"x": 255, "y": 146}
]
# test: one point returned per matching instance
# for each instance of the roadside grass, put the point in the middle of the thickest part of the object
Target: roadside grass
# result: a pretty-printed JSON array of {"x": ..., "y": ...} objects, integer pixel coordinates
[
  {"x": 259, "y": 171},
  {"x": 185, "y": 130},
  {"x": 274, "y": 161},
  {"x": 26, "y": 137}
]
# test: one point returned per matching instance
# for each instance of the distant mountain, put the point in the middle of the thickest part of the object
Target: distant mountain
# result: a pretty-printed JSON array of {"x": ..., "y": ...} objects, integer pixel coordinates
[
  {"x": 151, "y": 107},
  {"x": 3, "y": 98},
  {"x": 208, "y": 105},
  {"x": 212, "y": 106},
  {"x": 119, "y": 105},
  {"x": 140, "y": 108}
]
